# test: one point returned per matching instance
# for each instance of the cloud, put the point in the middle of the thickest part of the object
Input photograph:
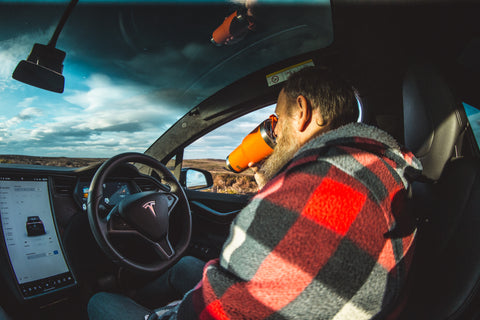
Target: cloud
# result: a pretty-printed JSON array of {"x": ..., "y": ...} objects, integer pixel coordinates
[
  {"x": 58, "y": 140},
  {"x": 118, "y": 106},
  {"x": 106, "y": 118},
  {"x": 26, "y": 103},
  {"x": 99, "y": 115},
  {"x": 27, "y": 114},
  {"x": 123, "y": 127}
]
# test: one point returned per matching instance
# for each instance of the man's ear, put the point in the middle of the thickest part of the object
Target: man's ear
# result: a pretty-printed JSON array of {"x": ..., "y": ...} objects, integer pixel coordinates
[{"x": 304, "y": 112}]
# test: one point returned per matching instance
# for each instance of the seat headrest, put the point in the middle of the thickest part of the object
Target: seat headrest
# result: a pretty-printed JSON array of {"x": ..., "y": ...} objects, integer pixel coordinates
[{"x": 433, "y": 118}]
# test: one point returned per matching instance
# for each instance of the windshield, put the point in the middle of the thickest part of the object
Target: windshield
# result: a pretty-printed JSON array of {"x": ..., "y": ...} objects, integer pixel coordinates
[{"x": 132, "y": 69}]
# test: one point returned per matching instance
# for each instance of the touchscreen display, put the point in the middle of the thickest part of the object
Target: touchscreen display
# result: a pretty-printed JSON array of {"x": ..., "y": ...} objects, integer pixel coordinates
[{"x": 30, "y": 236}]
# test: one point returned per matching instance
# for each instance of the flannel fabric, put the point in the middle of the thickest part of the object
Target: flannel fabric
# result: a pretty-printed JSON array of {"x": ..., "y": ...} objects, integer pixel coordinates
[{"x": 327, "y": 238}]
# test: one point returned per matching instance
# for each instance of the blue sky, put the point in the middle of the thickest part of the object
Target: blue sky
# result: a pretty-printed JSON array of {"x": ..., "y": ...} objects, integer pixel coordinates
[
  {"x": 96, "y": 116},
  {"x": 129, "y": 78},
  {"x": 220, "y": 142},
  {"x": 473, "y": 115}
]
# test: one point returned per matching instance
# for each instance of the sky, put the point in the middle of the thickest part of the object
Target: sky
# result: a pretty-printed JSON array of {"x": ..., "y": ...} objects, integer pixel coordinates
[
  {"x": 100, "y": 114},
  {"x": 219, "y": 143},
  {"x": 143, "y": 76},
  {"x": 473, "y": 115},
  {"x": 96, "y": 116},
  {"x": 90, "y": 116}
]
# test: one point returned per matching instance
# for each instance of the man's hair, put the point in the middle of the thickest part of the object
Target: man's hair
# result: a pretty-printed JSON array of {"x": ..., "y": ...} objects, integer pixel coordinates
[{"x": 333, "y": 97}]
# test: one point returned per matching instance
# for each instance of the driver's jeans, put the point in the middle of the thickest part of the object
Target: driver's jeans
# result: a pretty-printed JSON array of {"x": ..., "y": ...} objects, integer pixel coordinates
[{"x": 172, "y": 285}]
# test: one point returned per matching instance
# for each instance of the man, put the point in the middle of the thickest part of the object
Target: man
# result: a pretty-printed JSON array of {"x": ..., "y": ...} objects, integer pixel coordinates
[{"x": 326, "y": 237}]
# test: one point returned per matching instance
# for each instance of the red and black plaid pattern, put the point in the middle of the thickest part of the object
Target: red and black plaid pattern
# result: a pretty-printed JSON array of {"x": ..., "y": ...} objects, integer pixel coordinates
[{"x": 318, "y": 241}]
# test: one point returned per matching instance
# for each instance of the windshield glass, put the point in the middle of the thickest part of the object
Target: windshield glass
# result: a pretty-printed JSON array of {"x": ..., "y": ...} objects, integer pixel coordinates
[{"x": 133, "y": 68}]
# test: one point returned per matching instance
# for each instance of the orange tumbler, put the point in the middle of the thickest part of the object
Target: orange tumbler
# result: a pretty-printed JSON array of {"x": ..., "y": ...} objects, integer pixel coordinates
[{"x": 255, "y": 147}]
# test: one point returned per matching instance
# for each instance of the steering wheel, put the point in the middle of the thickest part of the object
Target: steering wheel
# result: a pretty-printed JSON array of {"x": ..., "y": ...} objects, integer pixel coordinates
[{"x": 147, "y": 215}]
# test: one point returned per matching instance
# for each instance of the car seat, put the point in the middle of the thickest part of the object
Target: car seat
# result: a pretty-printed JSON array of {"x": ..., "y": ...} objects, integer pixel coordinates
[{"x": 445, "y": 271}]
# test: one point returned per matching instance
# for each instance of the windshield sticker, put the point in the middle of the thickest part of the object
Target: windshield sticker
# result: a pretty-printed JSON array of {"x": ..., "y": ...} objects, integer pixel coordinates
[{"x": 282, "y": 75}]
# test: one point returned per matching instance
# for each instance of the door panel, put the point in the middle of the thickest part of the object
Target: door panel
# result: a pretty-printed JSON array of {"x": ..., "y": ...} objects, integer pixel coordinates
[{"x": 212, "y": 215}]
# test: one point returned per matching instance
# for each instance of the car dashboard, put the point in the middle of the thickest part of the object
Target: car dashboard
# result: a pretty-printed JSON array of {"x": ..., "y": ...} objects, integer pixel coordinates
[
  {"x": 46, "y": 241},
  {"x": 114, "y": 191}
]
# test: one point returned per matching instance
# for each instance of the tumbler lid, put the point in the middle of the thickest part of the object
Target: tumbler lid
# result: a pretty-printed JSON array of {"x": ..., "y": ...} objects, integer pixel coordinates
[{"x": 267, "y": 130}]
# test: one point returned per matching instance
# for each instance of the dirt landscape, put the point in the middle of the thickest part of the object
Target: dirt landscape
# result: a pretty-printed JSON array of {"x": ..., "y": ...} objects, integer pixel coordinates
[
  {"x": 224, "y": 181},
  {"x": 50, "y": 161}
]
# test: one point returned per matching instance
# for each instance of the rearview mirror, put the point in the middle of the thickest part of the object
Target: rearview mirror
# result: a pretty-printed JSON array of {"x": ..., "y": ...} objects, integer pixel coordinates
[{"x": 43, "y": 68}]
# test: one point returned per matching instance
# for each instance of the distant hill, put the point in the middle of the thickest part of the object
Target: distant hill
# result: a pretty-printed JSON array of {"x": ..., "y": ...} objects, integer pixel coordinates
[
  {"x": 213, "y": 165},
  {"x": 50, "y": 161},
  {"x": 225, "y": 181}
]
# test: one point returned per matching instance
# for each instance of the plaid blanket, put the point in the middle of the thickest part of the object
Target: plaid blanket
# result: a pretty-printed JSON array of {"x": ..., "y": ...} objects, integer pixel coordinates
[{"x": 327, "y": 238}]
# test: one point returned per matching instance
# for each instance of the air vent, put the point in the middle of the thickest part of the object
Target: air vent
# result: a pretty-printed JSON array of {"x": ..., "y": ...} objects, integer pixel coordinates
[{"x": 64, "y": 186}]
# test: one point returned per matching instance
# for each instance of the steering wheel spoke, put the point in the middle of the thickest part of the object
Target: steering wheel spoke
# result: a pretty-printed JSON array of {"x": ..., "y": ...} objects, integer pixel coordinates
[
  {"x": 116, "y": 225},
  {"x": 163, "y": 247},
  {"x": 172, "y": 201}
]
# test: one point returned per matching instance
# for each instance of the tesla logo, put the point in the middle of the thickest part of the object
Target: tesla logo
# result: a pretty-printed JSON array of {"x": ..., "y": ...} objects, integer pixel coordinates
[{"x": 149, "y": 206}]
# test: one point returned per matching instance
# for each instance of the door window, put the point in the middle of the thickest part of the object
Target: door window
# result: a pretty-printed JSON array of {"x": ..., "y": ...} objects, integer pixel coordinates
[
  {"x": 473, "y": 115},
  {"x": 210, "y": 153}
]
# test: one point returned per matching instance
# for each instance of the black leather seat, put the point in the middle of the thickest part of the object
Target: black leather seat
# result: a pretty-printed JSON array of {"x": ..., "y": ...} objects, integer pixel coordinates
[{"x": 445, "y": 270}]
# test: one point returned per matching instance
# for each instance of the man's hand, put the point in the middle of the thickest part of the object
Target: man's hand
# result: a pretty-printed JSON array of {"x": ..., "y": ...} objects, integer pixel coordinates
[{"x": 258, "y": 175}]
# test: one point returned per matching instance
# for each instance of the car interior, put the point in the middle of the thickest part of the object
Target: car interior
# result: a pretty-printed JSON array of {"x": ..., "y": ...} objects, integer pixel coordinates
[
  {"x": 413, "y": 64},
  {"x": 436, "y": 130}
]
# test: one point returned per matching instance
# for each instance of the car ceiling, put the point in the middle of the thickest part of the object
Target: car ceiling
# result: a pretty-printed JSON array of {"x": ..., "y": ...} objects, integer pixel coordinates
[{"x": 376, "y": 41}]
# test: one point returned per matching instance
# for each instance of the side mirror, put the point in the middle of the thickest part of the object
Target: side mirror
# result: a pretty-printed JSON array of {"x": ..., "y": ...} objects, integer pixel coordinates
[{"x": 196, "y": 179}]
